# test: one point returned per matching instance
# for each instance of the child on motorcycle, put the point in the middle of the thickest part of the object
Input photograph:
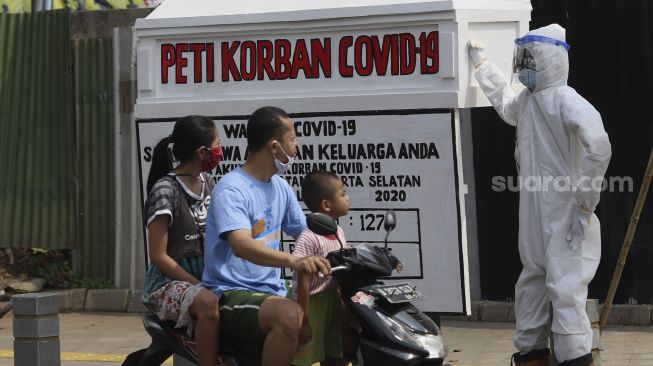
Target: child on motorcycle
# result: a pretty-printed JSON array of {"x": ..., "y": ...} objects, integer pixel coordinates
[
  {"x": 321, "y": 336},
  {"x": 175, "y": 213}
]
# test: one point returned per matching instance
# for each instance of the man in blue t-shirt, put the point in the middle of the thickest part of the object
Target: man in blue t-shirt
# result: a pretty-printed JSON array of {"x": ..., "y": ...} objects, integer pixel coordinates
[{"x": 250, "y": 207}]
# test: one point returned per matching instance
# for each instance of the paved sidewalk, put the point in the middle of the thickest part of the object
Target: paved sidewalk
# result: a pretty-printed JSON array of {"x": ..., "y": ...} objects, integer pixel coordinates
[
  {"x": 490, "y": 344},
  {"x": 90, "y": 337},
  {"x": 101, "y": 334}
]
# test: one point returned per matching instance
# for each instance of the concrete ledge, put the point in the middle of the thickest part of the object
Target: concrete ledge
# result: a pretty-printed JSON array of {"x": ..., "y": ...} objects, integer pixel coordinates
[
  {"x": 498, "y": 311},
  {"x": 494, "y": 311},
  {"x": 107, "y": 300},
  {"x": 72, "y": 300},
  {"x": 113, "y": 300},
  {"x": 135, "y": 305},
  {"x": 593, "y": 310},
  {"x": 630, "y": 315},
  {"x": 473, "y": 317},
  {"x": 121, "y": 300}
]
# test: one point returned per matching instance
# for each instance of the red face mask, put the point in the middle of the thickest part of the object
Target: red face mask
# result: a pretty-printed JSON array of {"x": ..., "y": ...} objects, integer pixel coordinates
[{"x": 215, "y": 155}]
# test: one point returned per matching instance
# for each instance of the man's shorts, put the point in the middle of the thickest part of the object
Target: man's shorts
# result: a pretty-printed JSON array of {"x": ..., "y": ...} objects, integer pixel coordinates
[{"x": 239, "y": 314}]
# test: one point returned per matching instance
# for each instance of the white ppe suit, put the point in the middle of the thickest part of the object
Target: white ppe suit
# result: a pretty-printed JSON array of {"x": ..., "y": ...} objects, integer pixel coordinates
[{"x": 559, "y": 135}]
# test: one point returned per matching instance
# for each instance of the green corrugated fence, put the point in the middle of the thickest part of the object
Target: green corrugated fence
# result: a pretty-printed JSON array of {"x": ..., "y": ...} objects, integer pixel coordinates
[
  {"x": 94, "y": 253},
  {"x": 56, "y": 141},
  {"x": 37, "y": 144}
]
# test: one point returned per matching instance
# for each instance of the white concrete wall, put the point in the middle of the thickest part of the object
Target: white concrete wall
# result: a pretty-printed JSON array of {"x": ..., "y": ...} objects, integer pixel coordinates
[{"x": 129, "y": 250}]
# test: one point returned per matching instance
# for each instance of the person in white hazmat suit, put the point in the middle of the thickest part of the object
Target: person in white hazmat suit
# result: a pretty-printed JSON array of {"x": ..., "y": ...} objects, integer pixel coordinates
[{"x": 562, "y": 152}]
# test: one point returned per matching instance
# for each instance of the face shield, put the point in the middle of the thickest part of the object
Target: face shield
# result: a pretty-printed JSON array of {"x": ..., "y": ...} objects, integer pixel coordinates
[
  {"x": 522, "y": 59},
  {"x": 523, "y": 62}
]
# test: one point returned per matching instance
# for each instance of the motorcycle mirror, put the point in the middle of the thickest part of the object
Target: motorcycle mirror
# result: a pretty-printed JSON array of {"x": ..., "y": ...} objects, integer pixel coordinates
[
  {"x": 321, "y": 224},
  {"x": 390, "y": 221}
]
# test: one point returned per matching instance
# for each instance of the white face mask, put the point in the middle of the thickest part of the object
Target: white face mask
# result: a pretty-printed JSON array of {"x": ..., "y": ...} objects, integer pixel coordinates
[{"x": 283, "y": 168}]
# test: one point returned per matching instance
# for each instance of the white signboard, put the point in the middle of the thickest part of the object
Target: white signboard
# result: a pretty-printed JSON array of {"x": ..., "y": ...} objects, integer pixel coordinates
[
  {"x": 400, "y": 160},
  {"x": 267, "y": 62}
]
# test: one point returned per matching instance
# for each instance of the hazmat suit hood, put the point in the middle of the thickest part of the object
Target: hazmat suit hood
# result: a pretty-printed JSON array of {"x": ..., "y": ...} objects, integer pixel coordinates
[{"x": 551, "y": 61}]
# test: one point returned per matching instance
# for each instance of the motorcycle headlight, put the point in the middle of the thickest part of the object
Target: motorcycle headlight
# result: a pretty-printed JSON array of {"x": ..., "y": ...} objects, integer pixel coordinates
[
  {"x": 399, "y": 331},
  {"x": 434, "y": 344}
]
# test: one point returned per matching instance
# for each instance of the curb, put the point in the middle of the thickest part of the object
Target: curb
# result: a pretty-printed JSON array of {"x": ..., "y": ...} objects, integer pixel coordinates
[
  {"x": 504, "y": 312},
  {"x": 129, "y": 301},
  {"x": 114, "y": 300}
]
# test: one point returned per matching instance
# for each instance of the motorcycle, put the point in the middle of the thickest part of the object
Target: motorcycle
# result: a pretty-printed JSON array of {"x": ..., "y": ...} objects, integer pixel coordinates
[
  {"x": 394, "y": 332},
  {"x": 168, "y": 340}
]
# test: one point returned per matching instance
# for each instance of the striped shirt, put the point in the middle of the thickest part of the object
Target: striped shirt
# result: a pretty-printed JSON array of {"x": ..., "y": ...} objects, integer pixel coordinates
[{"x": 310, "y": 244}]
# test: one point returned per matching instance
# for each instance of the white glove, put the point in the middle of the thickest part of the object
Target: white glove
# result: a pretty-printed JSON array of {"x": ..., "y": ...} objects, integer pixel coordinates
[
  {"x": 576, "y": 233},
  {"x": 475, "y": 48}
]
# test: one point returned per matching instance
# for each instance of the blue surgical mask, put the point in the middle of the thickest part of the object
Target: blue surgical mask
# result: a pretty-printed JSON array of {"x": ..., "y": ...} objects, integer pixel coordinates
[{"x": 527, "y": 77}]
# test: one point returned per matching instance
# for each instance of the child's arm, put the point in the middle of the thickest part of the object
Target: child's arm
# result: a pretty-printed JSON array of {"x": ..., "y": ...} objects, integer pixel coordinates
[
  {"x": 304, "y": 298},
  {"x": 306, "y": 245}
]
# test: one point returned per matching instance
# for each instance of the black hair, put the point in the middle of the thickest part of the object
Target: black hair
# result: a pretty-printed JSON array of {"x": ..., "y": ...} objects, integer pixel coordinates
[
  {"x": 318, "y": 186},
  {"x": 263, "y": 125},
  {"x": 188, "y": 135}
]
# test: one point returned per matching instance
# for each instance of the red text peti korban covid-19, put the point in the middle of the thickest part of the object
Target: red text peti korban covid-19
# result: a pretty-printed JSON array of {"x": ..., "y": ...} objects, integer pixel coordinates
[{"x": 309, "y": 58}]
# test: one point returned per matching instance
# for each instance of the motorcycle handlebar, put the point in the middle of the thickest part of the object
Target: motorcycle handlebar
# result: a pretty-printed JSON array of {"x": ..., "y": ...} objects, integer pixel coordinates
[{"x": 334, "y": 269}]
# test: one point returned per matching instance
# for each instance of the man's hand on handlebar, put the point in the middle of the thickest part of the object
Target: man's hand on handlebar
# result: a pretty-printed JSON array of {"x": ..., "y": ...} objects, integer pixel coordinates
[{"x": 312, "y": 265}]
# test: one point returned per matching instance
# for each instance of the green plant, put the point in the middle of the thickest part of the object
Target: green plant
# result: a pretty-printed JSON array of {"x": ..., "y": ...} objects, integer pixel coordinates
[
  {"x": 94, "y": 283},
  {"x": 54, "y": 266}
]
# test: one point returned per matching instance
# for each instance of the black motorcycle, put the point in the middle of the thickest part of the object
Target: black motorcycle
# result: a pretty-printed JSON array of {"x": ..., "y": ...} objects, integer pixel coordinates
[
  {"x": 168, "y": 340},
  {"x": 393, "y": 331}
]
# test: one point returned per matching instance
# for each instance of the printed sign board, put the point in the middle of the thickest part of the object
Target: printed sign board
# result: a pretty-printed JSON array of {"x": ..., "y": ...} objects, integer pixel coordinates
[
  {"x": 403, "y": 160},
  {"x": 270, "y": 63}
]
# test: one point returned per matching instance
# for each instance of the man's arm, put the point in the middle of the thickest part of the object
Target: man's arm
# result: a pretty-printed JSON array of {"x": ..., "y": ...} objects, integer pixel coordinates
[{"x": 246, "y": 247}]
